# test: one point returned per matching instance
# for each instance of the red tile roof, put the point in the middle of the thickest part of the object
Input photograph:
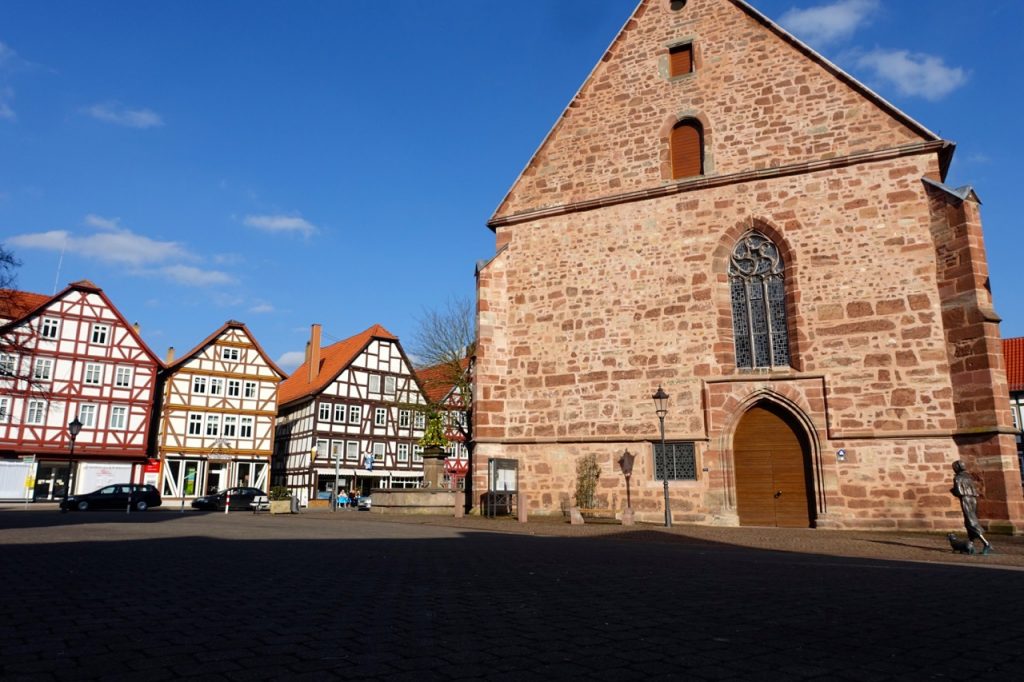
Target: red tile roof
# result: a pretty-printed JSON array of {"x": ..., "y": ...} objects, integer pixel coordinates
[
  {"x": 1013, "y": 352},
  {"x": 437, "y": 381},
  {"x": 333, "y": 359},
  {"x": 15, "y": 304}
]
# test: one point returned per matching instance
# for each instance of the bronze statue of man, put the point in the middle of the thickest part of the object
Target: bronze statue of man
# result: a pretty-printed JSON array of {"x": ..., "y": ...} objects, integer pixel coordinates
[{"x": 964, "y": 489}]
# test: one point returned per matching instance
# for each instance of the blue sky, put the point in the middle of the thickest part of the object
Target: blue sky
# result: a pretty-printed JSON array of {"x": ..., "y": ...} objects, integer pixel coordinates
[{"x": 284, "y": 163}]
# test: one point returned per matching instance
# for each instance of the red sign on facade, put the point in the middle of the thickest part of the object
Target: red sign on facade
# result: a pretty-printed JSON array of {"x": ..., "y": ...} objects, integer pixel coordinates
[{"x": 152, "y": 466}]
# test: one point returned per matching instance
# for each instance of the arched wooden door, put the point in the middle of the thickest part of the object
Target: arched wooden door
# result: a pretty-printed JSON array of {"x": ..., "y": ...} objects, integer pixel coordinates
[{"x": 772, "y": 465}]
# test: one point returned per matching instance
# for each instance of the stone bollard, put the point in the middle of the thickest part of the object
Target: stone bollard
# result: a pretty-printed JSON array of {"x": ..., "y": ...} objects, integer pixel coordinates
[
  {"x": 575, "y": 518},
  {"x": 627, "y": 516},
  {"x": 521, "y": 507},
  {"x": 460, "y": 505}
]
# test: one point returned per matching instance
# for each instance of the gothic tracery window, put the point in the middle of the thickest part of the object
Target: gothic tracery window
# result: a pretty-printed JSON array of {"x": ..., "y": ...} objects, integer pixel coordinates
[{"x": 758, "y": 303}]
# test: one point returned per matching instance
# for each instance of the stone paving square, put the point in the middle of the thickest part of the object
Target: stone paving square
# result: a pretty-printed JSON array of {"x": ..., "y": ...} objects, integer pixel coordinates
[{"x": 351, "y": 595}]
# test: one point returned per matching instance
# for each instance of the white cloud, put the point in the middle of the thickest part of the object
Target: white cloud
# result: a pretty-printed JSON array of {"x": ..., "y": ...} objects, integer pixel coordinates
[
  {"x": 112, "y": 112},
  {"x": 116, "y": 245},
  {"x": 290, "y": 360},
  {"x": 101, "y": 222},
  {"x": 6, "y": 54},
  {"x": 828, "y": 23},
  {"x": 6, "y": 112},
  {"x": 196, "y": 277},
  {"x": 914, "y": 74},
  {"x": 280, "y": 223},
  {"x": 262, "y": 308}
]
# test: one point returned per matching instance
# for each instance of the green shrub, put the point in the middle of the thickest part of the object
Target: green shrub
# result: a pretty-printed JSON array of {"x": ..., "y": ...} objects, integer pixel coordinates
[
  {"x": 587, "y": 473},
  {"x": 280, "y": 492}
]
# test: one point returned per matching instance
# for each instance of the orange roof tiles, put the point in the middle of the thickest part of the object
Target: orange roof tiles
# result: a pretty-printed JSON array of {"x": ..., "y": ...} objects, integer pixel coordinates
[
  {"x": 437, "y": 380},
  {"x": 15, "y": 304},
  {"x": 1013, "y": 352},
  {"x": 333, "y": 359}
]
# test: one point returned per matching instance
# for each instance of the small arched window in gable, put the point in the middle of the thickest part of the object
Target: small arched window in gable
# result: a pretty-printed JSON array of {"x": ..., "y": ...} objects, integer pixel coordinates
[
  {"x": 687, "y": 147},
  {"x": 758, "y": 303}
]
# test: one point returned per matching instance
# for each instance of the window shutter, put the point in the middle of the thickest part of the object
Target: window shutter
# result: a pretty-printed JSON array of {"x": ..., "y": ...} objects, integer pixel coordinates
[
  {"x": 686, "y": 151},
  {"x": 680, "y": 60}
]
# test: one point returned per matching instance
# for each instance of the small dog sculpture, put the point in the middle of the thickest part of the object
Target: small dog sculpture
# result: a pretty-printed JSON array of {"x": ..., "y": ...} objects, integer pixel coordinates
[{"x": 964, "y": 546}]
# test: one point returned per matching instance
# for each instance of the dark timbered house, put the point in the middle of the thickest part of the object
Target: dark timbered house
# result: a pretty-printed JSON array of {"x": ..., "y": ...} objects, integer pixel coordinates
[{"x": 350, "y": 418}]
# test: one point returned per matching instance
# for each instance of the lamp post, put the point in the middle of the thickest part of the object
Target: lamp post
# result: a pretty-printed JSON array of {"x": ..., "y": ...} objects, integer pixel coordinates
[
  {"x": 337, "y": 477},
  {"x": 74, "y": 428},
  {"x": 626, "y": 464},
  {"x": 661, "y": 407}
]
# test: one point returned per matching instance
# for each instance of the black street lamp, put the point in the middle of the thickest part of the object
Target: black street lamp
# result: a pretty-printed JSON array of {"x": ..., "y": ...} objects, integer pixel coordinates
[
  {"x": 661, "y": 407},
  {"x": 74, "y": 428}
]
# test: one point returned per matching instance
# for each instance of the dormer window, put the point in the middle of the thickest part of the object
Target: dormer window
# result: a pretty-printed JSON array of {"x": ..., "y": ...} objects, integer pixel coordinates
[{"x": 680, "y": 60}]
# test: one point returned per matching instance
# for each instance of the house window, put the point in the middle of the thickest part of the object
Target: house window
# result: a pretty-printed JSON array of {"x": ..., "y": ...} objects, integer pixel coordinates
[
  {"x": 118, "y": 417},
  {"x": 123, "y": 378},
  {"x": 5, "y": 410},
  {"x": 216, "y": 386},
  {"x": 199, "y": 384},
  {"x": 758, "y": 303},
  {"x": 339, "y": 413},
  {"x": 324, "y": 412},
  {"x": 352, "y": 451},
  {"x": 337, "y": 450},
  {"x": 321, "y": 448},
  {"x": 687, "y": 149},
  {"x": 212, "y": 424},
  {"x": 417, "y": 453},
  {"x": 403, "y": 452},
  {"x": 680, "y": 60},
  {"x": 389, "y": 385},
  {"x": 195, "y": 425},
  {"x": 93, "y": 374},
  {"x": 677, "y": 463},
  {"x": 234, "y": 388},
  {"x": 87, "y": 415},
  {"x": 421, "y": 420},
  {"x": 245, "y": 427},
  {"x": 378, "y": 452},
  {"x": 250, "y": 389},
  {"x": 354, "y": 414},
  {"x": 50, "y": 328},
  {"x": 8, "y": 361},
  {"x": 229, "y": 354},
  {"x": 403, "y": 418},
  {"x": 43, "y": 369},
  {"x": 230, "y": 424},
  {"x": 374, "y": 383},
  {"x": 380, "y": 416},
  {"x": 36, "y": 411},
  {"x": 100, "y": 334}
]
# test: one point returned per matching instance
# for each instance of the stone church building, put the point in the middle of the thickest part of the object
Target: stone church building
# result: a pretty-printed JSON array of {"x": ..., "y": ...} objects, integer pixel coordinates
[{"x": 722, "y": 212}]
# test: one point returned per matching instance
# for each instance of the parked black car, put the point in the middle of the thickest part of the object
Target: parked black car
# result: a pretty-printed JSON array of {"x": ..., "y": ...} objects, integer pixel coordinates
[
  {"x": 115, "y": 496},
  {"x": 240, "y": 499}
]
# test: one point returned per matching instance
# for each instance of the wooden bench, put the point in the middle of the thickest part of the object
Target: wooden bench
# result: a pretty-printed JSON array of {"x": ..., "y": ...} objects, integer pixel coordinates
[{"x": 580, "y": 515}]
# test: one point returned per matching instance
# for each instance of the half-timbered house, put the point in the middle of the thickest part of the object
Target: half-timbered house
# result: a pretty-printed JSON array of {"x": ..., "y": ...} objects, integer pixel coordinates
[
  {"x": 217, "y": 413},
  {"x": 72, "y": 355},
  {"x": 349, "y": 418}
]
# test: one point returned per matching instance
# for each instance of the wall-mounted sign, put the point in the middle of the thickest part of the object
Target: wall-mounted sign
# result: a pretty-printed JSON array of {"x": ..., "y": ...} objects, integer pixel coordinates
[{"x": 841, "y": 455}]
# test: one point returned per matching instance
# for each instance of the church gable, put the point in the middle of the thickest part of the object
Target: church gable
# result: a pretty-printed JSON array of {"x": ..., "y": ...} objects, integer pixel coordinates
[{"x": 713, "y": 79}]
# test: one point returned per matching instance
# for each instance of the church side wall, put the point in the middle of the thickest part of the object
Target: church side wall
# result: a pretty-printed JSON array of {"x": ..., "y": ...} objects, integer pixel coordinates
[{"x": 584, "y": 315}]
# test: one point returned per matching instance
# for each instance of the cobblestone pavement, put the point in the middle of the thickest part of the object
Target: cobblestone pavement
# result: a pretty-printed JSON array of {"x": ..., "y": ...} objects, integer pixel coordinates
[{"x": 164, "y": 595}]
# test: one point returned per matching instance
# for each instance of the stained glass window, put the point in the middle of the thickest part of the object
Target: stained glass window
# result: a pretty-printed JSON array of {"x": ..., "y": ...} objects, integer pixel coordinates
[{"x": 758, "y": 303}]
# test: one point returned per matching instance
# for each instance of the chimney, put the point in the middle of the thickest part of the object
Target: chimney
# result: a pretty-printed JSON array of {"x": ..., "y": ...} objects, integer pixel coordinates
[
  {"x": 314, "y": 352},
  {"x": 170, "y": 355},
  {"x": 137, "y": 328}
]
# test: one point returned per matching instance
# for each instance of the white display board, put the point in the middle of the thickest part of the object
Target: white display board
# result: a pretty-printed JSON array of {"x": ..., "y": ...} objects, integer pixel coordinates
[
  {"x": 13, "y": 476},
  {"x": 95, "y": 475}
]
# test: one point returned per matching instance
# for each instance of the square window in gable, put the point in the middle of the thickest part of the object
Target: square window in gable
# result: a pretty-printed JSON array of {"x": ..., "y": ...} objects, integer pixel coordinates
[{"x": 680, "y": 60}]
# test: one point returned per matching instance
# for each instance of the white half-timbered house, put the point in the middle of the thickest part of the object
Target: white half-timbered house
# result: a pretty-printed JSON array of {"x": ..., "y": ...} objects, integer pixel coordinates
[
  {"x": 65, "y": 356},
  {"x": 217, "y": 413},
  {"x": 353, "y": 410}
]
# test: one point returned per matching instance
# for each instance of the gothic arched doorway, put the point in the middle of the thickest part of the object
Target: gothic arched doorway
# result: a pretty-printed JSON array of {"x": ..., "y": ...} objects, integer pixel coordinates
[{"x": 773, "y": 469}]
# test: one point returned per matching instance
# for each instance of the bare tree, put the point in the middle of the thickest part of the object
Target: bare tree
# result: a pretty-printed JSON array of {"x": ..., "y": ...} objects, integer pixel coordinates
[
  {"x": 443, "y": 346},
  {"x": 16, "y": 341}
]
